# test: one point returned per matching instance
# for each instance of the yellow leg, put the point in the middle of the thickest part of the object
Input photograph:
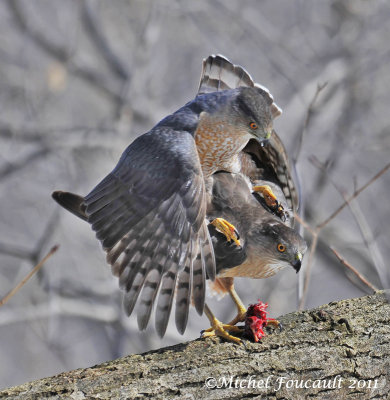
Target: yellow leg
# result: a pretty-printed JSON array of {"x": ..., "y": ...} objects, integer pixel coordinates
[
  {"x": 220, "y": 329},
  {"x": 241, "y": 314},
  {"x": 227, "y": 229},
  {"x": 228, "y": 285},
  {"x": 241, "y": 309}
]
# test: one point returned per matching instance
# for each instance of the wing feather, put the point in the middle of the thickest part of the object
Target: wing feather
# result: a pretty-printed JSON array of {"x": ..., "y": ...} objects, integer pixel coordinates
[
  {"x": 165, "y": 299},
  {"x": 149, "y": 214},
  {"x": 184, "y": 289},
  {"x": 199, "y": 279}
]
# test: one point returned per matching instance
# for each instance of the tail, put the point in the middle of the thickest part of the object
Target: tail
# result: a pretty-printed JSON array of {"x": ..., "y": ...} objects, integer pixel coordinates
[
  {"x": 71, "y": 202},
  {"x": 218, "y": 73}
]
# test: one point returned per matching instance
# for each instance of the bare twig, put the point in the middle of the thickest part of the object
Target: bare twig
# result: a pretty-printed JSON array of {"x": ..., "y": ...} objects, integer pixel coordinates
[
  {"x": 94, "y": 29},
  {"x": 354, "y": 195},
  {"x": 305, "y": 224},
  {"x": 370, "y": 242},
  {"x": 20, "y": 164},
  {"x": 354, "y": 270},
  {"x": 309, "y": 264},
  {"x": 309, "y": 114},
  {"x": 25, "y": 253},
  {"x": 362, "y": 223},
  {"x": 16, "y": 251},
  {"x": 302, "y": 285},
  {"x": 62, "y": 54},
  {"x": 316, "y": 231},
  {"x": 30, "y": 134},
  {"x": 56, "y": 51},
  {"x": 28, "y": 276},
  {"x": 61, "y": 306},
  {"x": 46, "y": 234}
]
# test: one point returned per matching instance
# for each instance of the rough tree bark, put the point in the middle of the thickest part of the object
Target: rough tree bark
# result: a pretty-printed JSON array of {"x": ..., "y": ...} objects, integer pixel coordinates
[{"x": 338, "y": 351}]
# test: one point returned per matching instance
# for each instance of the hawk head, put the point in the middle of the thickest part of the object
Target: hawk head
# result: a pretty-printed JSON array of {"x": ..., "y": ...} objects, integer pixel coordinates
[
  {"x": 277, "y": 244},
  {"x": 244, "y": 112},
  {"x": 252, "y": 107},
  {"x": 251, "y": 104}
]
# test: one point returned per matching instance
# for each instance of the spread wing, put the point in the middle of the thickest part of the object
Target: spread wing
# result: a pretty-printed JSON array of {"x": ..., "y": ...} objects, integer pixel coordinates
[{"x": 149, "y": 214}]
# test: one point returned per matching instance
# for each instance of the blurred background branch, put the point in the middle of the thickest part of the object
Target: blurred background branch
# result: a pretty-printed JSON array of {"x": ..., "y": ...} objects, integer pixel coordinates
[{"x": 79, "y": 80}]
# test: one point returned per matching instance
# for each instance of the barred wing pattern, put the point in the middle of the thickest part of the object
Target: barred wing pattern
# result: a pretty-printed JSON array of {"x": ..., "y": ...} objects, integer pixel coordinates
[{"x": 149, "y": 214}]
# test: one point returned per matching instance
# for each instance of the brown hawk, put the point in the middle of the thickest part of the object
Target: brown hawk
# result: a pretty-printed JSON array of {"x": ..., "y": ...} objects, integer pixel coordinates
[
  {"x": 267, "y": 244},
  {"x": 149, "y": 213},
  {"x": 260, "y": 202}
]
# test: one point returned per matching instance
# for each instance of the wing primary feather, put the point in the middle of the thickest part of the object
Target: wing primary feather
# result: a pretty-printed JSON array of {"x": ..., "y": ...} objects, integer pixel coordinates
[
  {"x": 184, "y": 289},
  {"x": 131, "y": 296},
  {"x": 133, "y": 245},
  {"x": 101, "y": 189},
  {"x": 107, "y": 197},
  {"x": 165, "y": 300},
  {"x": 199, "y": 279},
  {"x": 114, "y": 252},
  {"x": 153, "y": 281},
  {"x": 148, "y": 295},
  {"x": 208, "y": 252},
  {"x": 167, "y": 292},
  {"x": 132, "y": 261}
]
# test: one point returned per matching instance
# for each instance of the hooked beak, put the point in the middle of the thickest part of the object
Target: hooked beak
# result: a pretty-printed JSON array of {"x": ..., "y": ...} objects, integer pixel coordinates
[
  {"x": 297, "y": 263},
  {"x": 262, "y": 140}
]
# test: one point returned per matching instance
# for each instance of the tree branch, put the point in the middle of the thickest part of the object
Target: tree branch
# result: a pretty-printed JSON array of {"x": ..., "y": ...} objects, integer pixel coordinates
[
  {"x": 354, "y": 195},
  {"x": 354, "y": 270},
  {"x": 339, "y": 350},
  {"x": 28, "y": 276}
]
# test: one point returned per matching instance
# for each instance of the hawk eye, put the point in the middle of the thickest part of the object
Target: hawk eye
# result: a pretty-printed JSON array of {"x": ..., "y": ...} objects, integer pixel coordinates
[
  {"x": 253, "y": 125},
  {"x": 281, "y": 247}
]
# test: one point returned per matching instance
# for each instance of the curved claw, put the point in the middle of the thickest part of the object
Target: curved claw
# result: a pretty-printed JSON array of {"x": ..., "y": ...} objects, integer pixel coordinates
[
  {"x": 275, "y": 324},
  {"x": 222, "y": 330},
  {"x": 268, "y": 195},
  {"x": 227, "y": 229},
  {"x": 271, "y": 200}
]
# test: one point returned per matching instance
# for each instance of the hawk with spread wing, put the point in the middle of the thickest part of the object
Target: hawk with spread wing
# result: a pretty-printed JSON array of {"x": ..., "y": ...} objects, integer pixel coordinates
[
  {"x": 260, "y": 201},
  {"x": 149, "y": 213}
]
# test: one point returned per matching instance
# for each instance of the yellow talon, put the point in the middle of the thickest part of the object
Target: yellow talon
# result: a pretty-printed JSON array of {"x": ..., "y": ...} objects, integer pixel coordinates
[
  {"x": 271, "y": 200},
  {"x": 268, "y": 194},
  {"x": 220, "y": 329},
  {"x": 227, "y": 229},
  {"x": 275, "y": 324}
]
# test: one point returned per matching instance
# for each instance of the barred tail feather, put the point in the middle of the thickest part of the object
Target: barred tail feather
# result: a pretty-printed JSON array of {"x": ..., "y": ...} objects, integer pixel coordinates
[{"x": 218, "y": 73}]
